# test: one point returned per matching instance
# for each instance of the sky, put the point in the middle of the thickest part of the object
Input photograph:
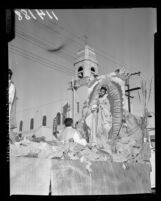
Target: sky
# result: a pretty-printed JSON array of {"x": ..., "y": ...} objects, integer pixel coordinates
[{"x": 120, "y": 38}]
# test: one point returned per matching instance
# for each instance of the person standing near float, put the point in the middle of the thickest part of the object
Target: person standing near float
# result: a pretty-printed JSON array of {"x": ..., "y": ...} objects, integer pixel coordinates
[{"x": 12, "y": 102}]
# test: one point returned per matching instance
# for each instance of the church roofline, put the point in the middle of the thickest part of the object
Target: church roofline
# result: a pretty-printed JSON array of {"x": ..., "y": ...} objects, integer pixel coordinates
[
  {"x": 85, "y": 60},
  {"x": 86, "y": 47}
]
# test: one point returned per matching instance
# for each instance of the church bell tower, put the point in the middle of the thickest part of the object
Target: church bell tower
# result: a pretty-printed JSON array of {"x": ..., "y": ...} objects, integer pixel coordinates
[
  {"x": 86, "y": 64},
  {"x": 86, "y": 69}
]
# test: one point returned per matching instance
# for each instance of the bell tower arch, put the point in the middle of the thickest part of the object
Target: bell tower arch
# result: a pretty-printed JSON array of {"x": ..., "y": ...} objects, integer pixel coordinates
[{"x": 86, "y": 64}]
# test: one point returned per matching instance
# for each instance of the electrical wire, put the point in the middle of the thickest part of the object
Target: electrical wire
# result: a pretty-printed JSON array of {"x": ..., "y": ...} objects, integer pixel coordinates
[
  {"x": 38, "y": 56},
  {"x": 41, "y": 60},
  {"x": 38, "y": 107},
  {"x": 57, "y": 25},
  {"x": 75, "y": 36},
  {"x": 38, "y": 42},
  {"x": 98, "y": 51},
  {"x": 41, "y": 43},
  {"x": 77, "y": 39},
  {"x": 34, "y": 41},
  {"x": 73, "y": 39},
  {"x": 59, "y": 35},
  {"x": 38, "y": 61}
]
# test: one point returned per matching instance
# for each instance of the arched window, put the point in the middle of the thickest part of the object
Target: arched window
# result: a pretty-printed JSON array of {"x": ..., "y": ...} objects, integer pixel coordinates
[
  {"x": 93, "y": 71},
  {"x": 80, "y": 72},
  {"x": 80, "y": 69},
  {"x": 54, "y": 125},
  {"x": 31, "y": 124},
  {"x": 21, "y": 125},
  {"x": 44, "y": 120},
  {"x": 77, "y": 107},
  {"x": 58, "y": 118}
]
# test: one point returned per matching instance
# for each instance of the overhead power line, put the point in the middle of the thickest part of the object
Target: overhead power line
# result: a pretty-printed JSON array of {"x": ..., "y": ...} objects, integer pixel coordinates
[
  {"x": 77, "y": 40},
  {"x": 43, "y": 45},
  {"x": 46, "y": 44},
  {"x": 15, "y": 51},
  {"x": 98, "y": 51},
  {"x": 44, "y": 65},
  {"x": 42, "y": 60}
]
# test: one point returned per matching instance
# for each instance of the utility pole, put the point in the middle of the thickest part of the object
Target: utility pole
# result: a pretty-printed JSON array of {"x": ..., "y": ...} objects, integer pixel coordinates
[
  {"x": 132, "y": 89},
  {"x": 73, "y": 88},
  {"x": 73, "y": 105}
]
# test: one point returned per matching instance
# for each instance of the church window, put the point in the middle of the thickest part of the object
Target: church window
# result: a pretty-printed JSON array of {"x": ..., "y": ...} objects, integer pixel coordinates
[
  {"x": 58, "y": 118},
  {"x": 80, "y": 72},
  {"x": 93, "y": 71},
  {"x": 31, "y": 124},
  {"x": 55, "y": 124},
  {"x": 44, "y": 121},
  {"x": 77, "y": 107},
  {"x": 21, "y": 125}
]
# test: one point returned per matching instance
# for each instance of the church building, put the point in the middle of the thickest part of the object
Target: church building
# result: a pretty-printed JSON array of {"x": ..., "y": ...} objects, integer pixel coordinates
[{"x": 86, "y": 68}]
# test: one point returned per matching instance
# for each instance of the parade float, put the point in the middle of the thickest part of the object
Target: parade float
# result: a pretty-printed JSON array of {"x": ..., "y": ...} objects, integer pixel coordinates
[{"x": 116, "y": 159}]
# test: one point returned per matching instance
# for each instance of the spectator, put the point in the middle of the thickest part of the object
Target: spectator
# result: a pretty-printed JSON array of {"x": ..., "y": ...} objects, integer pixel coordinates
[
  {"x": 12, "y": 102},
  {"x": 70, "y": 134}
]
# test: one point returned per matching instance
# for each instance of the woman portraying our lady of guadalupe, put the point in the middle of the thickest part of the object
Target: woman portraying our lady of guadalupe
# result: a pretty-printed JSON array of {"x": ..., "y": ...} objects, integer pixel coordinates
[
  {"x": 104, "y": 118},
  {"x": 100, "y": 120},
  {"x": 105, "y": 106}
]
